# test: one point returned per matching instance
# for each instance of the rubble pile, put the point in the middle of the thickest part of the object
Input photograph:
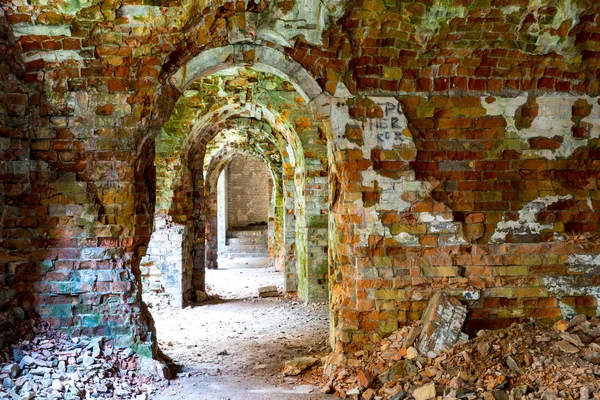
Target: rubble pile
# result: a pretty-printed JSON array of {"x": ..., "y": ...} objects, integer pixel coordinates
[
  {"x": 520, "y": 362},
  {"x": 49, "y": 365}
]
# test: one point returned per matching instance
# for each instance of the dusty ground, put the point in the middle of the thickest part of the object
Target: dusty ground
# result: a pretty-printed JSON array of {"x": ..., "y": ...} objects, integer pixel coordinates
[{"x": 234, "y": 348}]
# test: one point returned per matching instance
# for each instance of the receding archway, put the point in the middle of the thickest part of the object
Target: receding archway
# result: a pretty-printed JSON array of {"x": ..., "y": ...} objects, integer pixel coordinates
[{"x": 185, "y": 194}]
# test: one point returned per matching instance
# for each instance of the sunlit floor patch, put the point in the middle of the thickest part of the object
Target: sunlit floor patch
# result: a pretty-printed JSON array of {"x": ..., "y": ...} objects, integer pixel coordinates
[{"x": 235, "y": 348}]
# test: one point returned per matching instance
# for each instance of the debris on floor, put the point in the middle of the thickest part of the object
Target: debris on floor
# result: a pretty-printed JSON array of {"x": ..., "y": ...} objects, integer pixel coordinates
[
  {"x": 48, "y": 365},
  {"x": 299, "y": 365},
  {"x": 268, "y": 291},
  {"x": 523, "y": 361}
]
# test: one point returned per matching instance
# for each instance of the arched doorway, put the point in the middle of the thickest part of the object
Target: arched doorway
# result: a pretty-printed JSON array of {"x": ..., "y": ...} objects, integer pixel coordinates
[{"x": 250, "y": 99}]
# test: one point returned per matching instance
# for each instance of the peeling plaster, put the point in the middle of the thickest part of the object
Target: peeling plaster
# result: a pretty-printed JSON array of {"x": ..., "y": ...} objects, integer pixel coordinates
[
  {"x": 584, "y": 264},
  {"x": 41, "y": 30},
  {"x": 526, "y": 224},
  {"x": 308, "y": 18},
  {"x": 567, "y": 286},
  {"x": 505, "y": 106},
  {"x": 554, "y": 119},
  {"x": 388, "y": 133},
  {"x": 441, "y": 12}
]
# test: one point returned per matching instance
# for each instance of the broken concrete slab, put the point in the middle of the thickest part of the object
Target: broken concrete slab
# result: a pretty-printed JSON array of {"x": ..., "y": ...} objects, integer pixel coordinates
[
  {"x": 442, "y": 324},
  {"x": 268, "y": 291}
]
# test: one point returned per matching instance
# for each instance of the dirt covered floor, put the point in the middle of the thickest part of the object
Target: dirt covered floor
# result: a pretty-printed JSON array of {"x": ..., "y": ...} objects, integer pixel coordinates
[{"x": 234, "y": 347}]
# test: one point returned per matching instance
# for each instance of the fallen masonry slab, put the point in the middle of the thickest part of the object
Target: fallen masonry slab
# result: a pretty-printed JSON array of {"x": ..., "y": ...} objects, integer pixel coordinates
[
  {"x": 525, "y": 359},
  {"x": 268, "y": 291},
  {"x": 442, "y": 324}
]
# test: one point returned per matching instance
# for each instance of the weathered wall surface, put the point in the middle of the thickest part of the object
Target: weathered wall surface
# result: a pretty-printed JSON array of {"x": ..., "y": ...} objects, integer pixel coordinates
[
  {"x": 249, "y": 192},
  {"x": 462, "y": 152}
]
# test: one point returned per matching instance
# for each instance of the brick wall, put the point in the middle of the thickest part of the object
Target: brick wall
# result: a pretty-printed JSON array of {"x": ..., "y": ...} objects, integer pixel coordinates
[
  {"x": 462, "y": 152},
  {"x": 248, "y": 192}
]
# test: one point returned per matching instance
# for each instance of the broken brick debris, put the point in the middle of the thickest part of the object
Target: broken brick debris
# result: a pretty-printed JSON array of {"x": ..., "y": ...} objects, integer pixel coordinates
[
  {"x": 46, "y": 364},
  {"x": 523, "y": 361}
]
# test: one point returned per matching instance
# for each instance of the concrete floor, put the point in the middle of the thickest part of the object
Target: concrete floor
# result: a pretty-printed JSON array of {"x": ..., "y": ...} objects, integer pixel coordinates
[{"x": 235, "y": 348}]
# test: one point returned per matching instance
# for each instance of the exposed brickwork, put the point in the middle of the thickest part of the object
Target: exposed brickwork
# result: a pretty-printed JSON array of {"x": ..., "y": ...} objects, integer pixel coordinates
[
  {"x": 455, "y": 147},
  {"x": 248, "y": 192}
]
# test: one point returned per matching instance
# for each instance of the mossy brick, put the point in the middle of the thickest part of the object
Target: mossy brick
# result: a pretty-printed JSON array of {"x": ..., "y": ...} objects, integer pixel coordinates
[
  {"x": 531, "y": 292},
  {"x": 511, "y": 313},
  {"x": 515, "y": 270},
  {"x": 124, "y": 340},
  {"x": 505, "y": 292},
  {"x": 431, "y": 271},
  {"x": 389, "y": 294},
  {"x": 57, "y": 310},
  {"x": 143, "y": 350},
  {"x": 91, "y": 320},
  {"x": 6, "y": 295},
  {"x": 387, "y": 327},
  {"x": 382, "y": 262},
  {"x": 419, "y": 229}
]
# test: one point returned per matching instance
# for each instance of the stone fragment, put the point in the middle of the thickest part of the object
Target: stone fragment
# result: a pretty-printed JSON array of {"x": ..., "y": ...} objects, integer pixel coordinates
[
  {"x": 577, "y": 320},
  {"x": 584, "y": 393},
  {"x": 455, "y": 383},
  {"x": 425, "y": 392},
  {"x": 500, "y": 395},
  {"x": 571, "y": 338},
  {"x": 57, "y": 385},
  {"x": 513, "y": 365},
  {"x": 62, "y": 367},
  {"x": 412, "y": 335},
  {"x": 11, "y": 369},
  {"x": 483, "y": 348},
  {"x": 88, "y": 360},
  {"x": 298, "y": 365},
  {"x": 353, "y": 392},
  {"x": 327, "y": 388},
  {"x": 411, "y": 353},
  {"x": 591, "y": 356},
  {"x": 442, "y": 323},
  {"x": 369, "y": 394},
  {"x": 7, "y": 383},
  {"x": 566, "y": 347},
  {"x": 364, "y": 378},
  {"x": 268, "y": 291}
]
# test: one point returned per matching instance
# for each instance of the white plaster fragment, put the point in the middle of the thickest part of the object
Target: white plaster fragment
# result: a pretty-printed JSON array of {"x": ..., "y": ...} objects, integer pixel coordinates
[
  {"x": 41, "y": 30},
  {"x": 505, "y": 106},
  {"x": 554, "y": 119},
  {"x": 527, "y": 223},
  {"x": 567, "y": 286},
  {"x": 56, "y": 56},
  {"x": 584, "y": 263}
]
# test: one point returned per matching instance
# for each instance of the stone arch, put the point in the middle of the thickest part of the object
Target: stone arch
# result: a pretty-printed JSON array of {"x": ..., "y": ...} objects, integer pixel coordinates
[
  {"x": 217, "y": 164},
  {"x": 206, "y": 256},
  {"x": 273, "y": 61},
  {"x": 260, "y": 58}
]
